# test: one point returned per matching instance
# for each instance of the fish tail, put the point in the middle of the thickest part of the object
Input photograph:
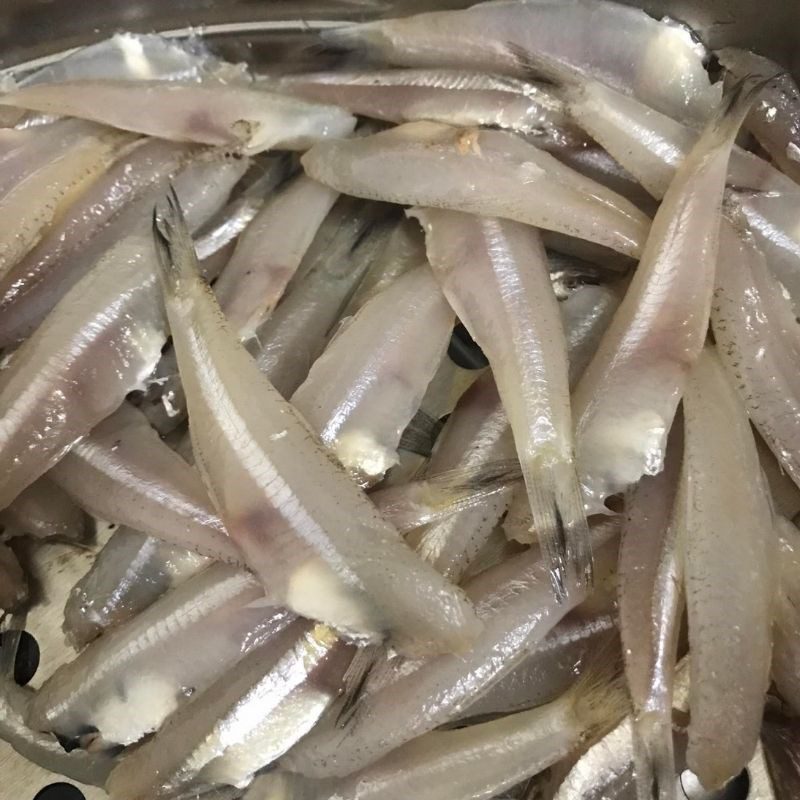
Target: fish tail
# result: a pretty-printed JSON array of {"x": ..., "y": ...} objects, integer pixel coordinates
[
  {"x": 734, "y": 107},
  {"x": 600, "y": 697},
  {"x": 560, "y": 522},
  {"x": 654, "y": 757},
  {"x": 173, "y": 242},
  {"x": 354, "y": 682}
]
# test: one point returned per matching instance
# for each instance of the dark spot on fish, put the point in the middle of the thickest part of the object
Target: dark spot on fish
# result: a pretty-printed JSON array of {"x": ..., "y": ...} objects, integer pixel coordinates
[
  {"x": 68, "y": 743},
  {"x": 60, "y": 791},
  {"x": 464, "y": 351},
  {"x": 27, "y": 659}
]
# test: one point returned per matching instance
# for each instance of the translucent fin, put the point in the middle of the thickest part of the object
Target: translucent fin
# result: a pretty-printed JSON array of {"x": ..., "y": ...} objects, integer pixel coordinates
[
  {"x": 560, "y": 523},
  {"x": 654, "y": 758}
]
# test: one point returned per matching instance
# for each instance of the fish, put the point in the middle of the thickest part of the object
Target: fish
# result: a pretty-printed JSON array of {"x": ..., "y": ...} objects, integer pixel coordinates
[
  {"x": 476, "y": 433},
  {"x": 43, "y": 749},
  {"x": 13, "y": 581},
  {"x": 431, "y": 164},
  {"x": 650, "y": 607},
  {"x": 269, "y": 252},
  {"x": 775, "y": 117},
  {"x": 494, "y": 273},
  {"x": 516, "y": 602},
  {"x": 757, "y": 340},
  {"x": 480, "y": 760},
  {"x": 729, "y": 555},
  {"x": 122, "y": 472},
  {"x": 75, "y": 157},
  {"x": 659, "y": 62},
  {"x": 236, "y": 116},
  {"x": 455, "y": 97},
  {"x": 290, "y": 340},
  {"x": 130, "y": 573},
  {"x": 118, "y": 204},
  {"x": 364, "y": 389},
  {"x": 651, "y": 146},
  {"x": 100, "y": 342},
  {"x": 44, "y": 510},
  {"x": 308, "y": 531},
  {"x": 626, "y": 399},
  {"x": 125, "y": 684},
  {"x": 242, "y": 723}
]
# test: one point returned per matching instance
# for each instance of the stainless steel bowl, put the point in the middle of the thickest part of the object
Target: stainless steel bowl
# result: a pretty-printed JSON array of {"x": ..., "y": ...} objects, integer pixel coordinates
[{"x": 270, "y": 32}]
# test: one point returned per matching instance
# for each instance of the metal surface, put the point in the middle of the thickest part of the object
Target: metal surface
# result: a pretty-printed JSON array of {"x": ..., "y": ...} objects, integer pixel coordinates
[{"x": 270, "y": 31}]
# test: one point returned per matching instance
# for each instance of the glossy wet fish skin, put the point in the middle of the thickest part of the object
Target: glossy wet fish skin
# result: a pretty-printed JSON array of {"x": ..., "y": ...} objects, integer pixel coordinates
[
  {"x": 124, "y": 685},
  {"x": 650, "y": 608},
  {"x": 41, "y": 748},
  {"x": 44, "y": 510},
  {"x": 451, "y": 96},
  {"x": 477, "y": 432},
  {"x": 364, "y": 389},
  {"x": 130, "y": 572},
  {"x": 66, "y": 241},
  {"x": 242, "y": 723},
  {"x": 757, "y": 339},
  {"x": 326, "y": 551},
  {"x": 775, "y": 117},
  {"x": 13, "y": 581},
  {"x": 269, "y": 252},
  {"x": 290, "y": 340},
  {"x": 122, "y": 472},
  {"x": 659, "y": 62},
  {"x": 221, "y": 115},
  {"x": 494, "y": 273},
  {"x": 430, "y": 164},
  {"x": 729, "y": 542},
  {"x": 43, "y": 194},
  {"x": 625, "y": 402},
  {"x": 515, "y": 600},
  {"x": 99, "y": 343}
]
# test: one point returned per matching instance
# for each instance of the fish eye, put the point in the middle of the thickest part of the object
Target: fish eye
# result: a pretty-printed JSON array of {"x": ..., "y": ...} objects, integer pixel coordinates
[
  {"x": 27, "y": 660},
  {"x": 60, "y": 791}
]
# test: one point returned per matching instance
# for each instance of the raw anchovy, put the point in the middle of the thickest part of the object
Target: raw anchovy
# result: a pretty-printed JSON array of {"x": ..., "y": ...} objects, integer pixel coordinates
[
  {"x": 235, "y": 216},
  {"x": 269, "y": 252},
  {"x": 650, "y": 607},
  {"x": 478, "y": 761},
  {"x": 41, "y": 748},
  {"x": 314, "y": 538},
  {"x": 124, "y": 473},
  {"x": 13, "y": 583},
  {"x": 207, "y": 113},
  {"x": 42, "y": 282},
  {"x": 362, "y": 392},
  {"x": 430, "y": 164},
  {"x": 126, "y": 683},
  {"x": 758, "y": 342},
  {"x": 625, "y": 402},
  {"x": 32, "y": 286},
  {"x": 775, "y": 117},
  {"x": 659, "y": 62},
  {"x": 245, "y": 721},
  {"x": 454, "y": 97},
  {"x": 295, "y": 334},
  {"x": 99, "y": 343},
  {"x": 44, "y": 510},
  {"x": 786, "y": 652},
  {"x": 729, "y": 553},
  {"x": 404, "y": 250},
  {"x": 494, "y": 274},
  {"x": 516, "y": 601},
  {"x": 477, "y": 433},
  {"x": 130, "y": 573},
  {"x": 652, "y": 146},
  {"x": 81, "y": 155},
  {"x": 549, "y": 670}
]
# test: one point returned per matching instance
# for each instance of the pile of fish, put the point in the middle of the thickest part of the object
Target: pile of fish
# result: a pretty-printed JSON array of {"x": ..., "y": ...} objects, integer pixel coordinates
[{"x": 445, "y": 402}]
